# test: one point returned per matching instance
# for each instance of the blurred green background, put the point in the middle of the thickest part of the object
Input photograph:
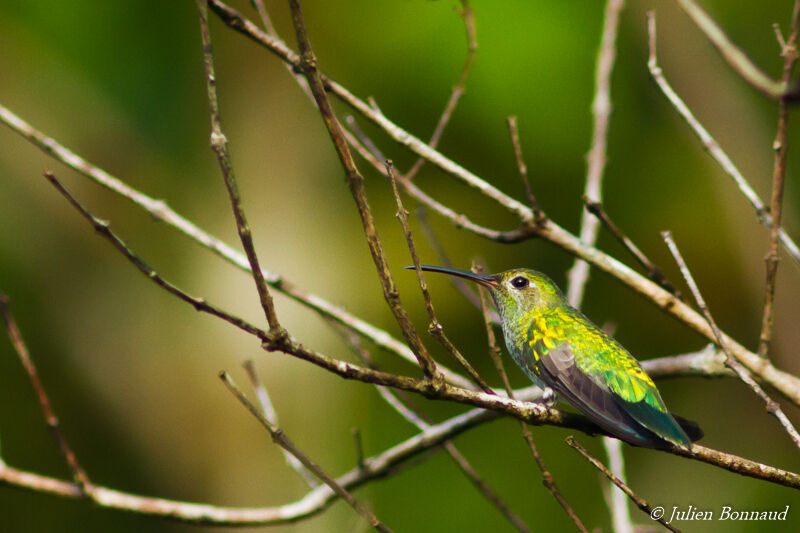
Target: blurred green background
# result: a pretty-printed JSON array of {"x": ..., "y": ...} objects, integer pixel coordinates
[{"x": 131, "y": 371}]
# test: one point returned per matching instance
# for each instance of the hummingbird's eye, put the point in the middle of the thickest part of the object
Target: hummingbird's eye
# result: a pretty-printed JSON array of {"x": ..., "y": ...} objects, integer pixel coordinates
[{"x": 520, "y": 282}]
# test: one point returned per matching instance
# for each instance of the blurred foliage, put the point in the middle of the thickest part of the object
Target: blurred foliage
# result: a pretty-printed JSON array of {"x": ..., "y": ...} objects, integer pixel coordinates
[{"x": 132, "y": 372}]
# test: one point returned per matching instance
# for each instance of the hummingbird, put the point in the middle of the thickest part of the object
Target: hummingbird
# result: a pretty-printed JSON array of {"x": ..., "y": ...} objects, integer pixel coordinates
[{"x": 568, "y": 356}]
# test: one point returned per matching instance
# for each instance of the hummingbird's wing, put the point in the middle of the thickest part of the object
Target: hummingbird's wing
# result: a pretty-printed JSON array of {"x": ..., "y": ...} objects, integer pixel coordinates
[{"x": 615, "y": 396}]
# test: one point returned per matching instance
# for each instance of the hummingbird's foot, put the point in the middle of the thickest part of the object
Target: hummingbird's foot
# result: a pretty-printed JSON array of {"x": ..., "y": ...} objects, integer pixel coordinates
[{"x": 548, "y": 397}]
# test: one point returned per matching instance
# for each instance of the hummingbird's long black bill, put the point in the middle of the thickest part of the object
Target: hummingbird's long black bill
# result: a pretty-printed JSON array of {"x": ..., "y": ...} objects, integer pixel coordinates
[{"x": 483, "y": 279}]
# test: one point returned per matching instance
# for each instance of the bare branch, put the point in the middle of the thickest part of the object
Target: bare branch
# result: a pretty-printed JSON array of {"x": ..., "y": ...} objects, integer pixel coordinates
[
  {"x": 737, "y": 59},
  {"x": 160, "y": 210},
  {"x": 781, "y": 148},
  {"x": 513, "y": 131},
  {"x": 711, "y": 145},
  {"x": 468, "y": 15},
  {"x": 638, "y": 500},
  {"x": 282, "y": 440},
  {"x": 772, "y": 406},
  {"x": 78, "y": 473},
  {"x": 653, "y": 272},
  {"x": 434, "y": 327},
  {"x": 356, "y": 183},
  {"x": 416, "y": 417},
  {"x": 219, "y": 143}
]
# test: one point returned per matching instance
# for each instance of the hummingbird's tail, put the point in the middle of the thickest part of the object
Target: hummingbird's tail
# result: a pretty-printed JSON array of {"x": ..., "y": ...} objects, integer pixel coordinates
[{"x": 690, "y": 427}]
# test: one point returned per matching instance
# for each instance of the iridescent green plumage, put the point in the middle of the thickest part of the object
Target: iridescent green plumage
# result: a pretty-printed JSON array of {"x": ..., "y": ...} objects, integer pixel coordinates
[{"x": 558, "y": 347}]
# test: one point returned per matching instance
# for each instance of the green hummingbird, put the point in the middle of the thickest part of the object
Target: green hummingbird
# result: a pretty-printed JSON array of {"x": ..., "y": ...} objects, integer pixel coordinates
[{"x": 566, "y": 354}]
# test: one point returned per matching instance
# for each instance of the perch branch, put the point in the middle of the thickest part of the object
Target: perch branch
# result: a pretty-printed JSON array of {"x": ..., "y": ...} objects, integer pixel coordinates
[{"x": 784, "y": 382}]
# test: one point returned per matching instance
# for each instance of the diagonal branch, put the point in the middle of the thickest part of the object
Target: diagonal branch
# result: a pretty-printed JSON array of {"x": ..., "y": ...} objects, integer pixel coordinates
[
  {"x": 78, "y": 473},
  {"x": 161, "y": 211},
  {"x": 356, "y": 183},
  {"x": 737, "y": 59},
  {"x": 638, "y": 500},
  {"x": 468, "y": 15},
  {"x": 773, "y": 407},
  {"x": 282, "y": 440},
  {"x": 711, "y": 145}
]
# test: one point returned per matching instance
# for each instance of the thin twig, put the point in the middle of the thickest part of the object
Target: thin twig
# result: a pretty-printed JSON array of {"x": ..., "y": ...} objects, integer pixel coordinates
[
  {"x": 434, "y": 327},
  {"x": 78, "y": 473},
  {"x": 781, "y": 148},
  {"x": 653, "y": 272},
  {"x": 711, "y": 145},
  {"x": 596, "y": 157},
  {"x": 638, "y": 500},
  {"x": 547, "y": 477},
  {"x": 735, "y": 57},
  {"x": 219, "y": 144},
  {"x": 282, "y": 440},
  {"x": 773, "y": 407},
  {"x": 355, "y": 182},
  {"x": 103, "y": 229},
  {"x": 411, "y": 413},
  {"x": 468, "y": 15},
  {"x": 513, "y": 131},
  {"x": 161, "y": 211},
  {"x": 270, "y": 414}
]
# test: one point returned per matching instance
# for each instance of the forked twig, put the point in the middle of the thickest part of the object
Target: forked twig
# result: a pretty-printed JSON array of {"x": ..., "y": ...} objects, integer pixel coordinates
[
  {"x": 737, "y": 59},
  {"x": 773, "y": 407}
]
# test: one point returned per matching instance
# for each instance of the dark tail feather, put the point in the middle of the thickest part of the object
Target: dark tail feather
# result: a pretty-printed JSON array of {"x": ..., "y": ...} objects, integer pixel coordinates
[{"x": 691, "y": 427}]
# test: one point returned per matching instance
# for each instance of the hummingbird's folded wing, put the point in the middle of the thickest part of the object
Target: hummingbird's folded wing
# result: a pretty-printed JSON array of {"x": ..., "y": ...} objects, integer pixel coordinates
[{"x": 615, "y": 400}]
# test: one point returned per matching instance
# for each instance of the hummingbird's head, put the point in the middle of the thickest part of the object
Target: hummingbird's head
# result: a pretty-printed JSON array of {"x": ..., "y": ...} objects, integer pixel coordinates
[{"x": 514, "y": 291}]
